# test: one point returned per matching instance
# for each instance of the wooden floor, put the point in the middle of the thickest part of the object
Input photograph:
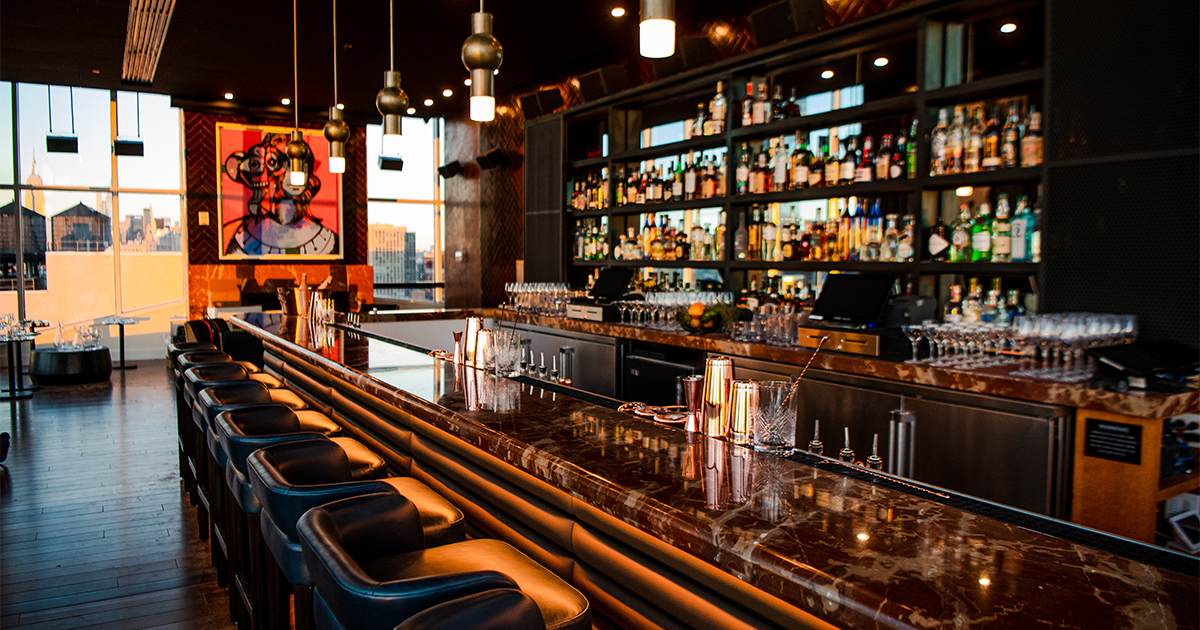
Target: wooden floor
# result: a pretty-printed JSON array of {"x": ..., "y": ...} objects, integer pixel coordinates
[{"x": 94, "y": 531}]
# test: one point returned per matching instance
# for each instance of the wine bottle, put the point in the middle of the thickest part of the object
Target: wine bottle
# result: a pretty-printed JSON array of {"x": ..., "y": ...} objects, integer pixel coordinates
[
  {"x": 716, "y": 111},
  {"x": 1031, "y": 144}
]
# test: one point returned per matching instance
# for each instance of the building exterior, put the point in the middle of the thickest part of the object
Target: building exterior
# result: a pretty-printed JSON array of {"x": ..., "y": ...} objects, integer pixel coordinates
[
  {"x": 81, "y": 229},
  {"x": 394, "y": 254}
]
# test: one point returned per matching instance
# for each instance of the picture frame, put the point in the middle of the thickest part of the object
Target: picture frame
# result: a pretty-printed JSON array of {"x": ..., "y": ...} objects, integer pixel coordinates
[{"x": 261, "y": 215}]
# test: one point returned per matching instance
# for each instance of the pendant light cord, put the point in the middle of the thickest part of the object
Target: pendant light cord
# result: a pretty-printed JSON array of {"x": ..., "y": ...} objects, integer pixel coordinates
[
  {"x": 391, "y": 34},
  {"x": 72, "y": 92},
  {"x": 295, "y": 66},
  {"x": 335, "y": 96}
]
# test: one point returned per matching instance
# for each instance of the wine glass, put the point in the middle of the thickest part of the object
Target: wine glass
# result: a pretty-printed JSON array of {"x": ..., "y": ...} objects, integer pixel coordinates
[
  {"x": 914, "y": 332},
  {"x": 933, "y": 334}
]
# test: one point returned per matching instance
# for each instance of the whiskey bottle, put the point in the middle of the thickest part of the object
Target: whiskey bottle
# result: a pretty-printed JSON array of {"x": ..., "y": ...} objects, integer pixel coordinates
[
  {"x": 883, "y": 161},
  {"x": 743, "y": 171},
  {"x": 804, "y": 243},
  {"x": 778, "y": 107},
  {"x": 719, "y": 239},
  {"x": 1031, "y": 144},
  {"x": 761, "y": 110},
  {"x": 990, "y": 160},
  {"x": 904, "y": 250},
  {"x": 939, "y": 242},
  {"x": 800, "y": 161},
  {"x": 973, "y": 149},
  {"x": 952, "y": 312},
  {"x": 937, "y": 148},
  {"x": 754, "y": 235},
  {"x": 981, "y": 235},
  {"x": 973, "y": 306},
  {"x": 770, "y": 234},
  {"x": 816, "y": 169},
  {"x": 760, "y": 175},
  {"x": 716, "y": 110},
  {"x": 748, "y": 106},
  {"x": 793, "y": 106},
  {"x": 1021, "y": 231},
  {"x": 681, "y": 245},
  {"x": 849, "y": 162},
  {"x": 1010, "y": 139},
  {"x": 960, "y": 238},
  {"x": 781, "y": 167},
  {"x": 832, "y": 166},
  {"x": 1001, "y": 231},
  {"x": 955, "y": 140},
  {"x": 865, "y": 171}
]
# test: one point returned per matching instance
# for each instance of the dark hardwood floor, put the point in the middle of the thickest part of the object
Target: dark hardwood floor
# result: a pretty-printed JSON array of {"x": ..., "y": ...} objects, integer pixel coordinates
[{"x": 94, "y": 530}]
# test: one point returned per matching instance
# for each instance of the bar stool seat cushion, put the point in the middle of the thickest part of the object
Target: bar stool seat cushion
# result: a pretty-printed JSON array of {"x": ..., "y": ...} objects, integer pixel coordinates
[
  {"x": 289, "y": 398},
  {"x": 499, "y": 609},
  {"x": 441, "y": 522},
  {"x": 251, "y": 367},
  {"x": 210, "y": 375},
  {"x": 192, "y": 359},
  {"x": 364, "y": 463},
  {"x": 317, "y": 422},
  {"x": 264, "y": 378}
]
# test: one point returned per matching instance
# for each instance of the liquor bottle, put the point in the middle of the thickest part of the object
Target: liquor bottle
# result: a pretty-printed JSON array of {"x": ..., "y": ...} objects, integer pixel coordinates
[
  {"x": 1035, "y": 239},
  {"x": 865, "y": 172},
  {"x": 697, "y": 250},
  {"x": 847, "y": 234},
  {"x": 743, "y": 171},
  {"x": 898, "y": 167},
  {"x": 719, "y": 239},
  {"x": 890, "y": 248},
  {"x": 991, "y": 308},
  {"x": 689, "y": 178},
  {"x": 653, "y": 192},
  {"x": 761, "y": 110},
  {"x": 631, "y": 187},
  {"x": 677, "y": 185},
  {"x": 741, "y": 239},
  {"x": 804, "y": 244},
  {"x": 937, "y": 149},
  {"x": 1010, "y": 139},
  {"x": 1031, "y": 144},
  {"x": 849, "y": 162},
  {"x": 720, "y": 178},
  {"x": 955, "y": 139},
  {"x": 832, "y": 166},
  {"x": 1001, "y": 231},
  {"x": 883, "y": 161},
  {"x": 799, "y": 163},
  {"x": 708, "y": 182},
  {"x": 816, "y": 168},
  {"x": 793, "y": 106},
  {"x": 960, "y": 238},
  {"x": 1012, "y": 305},
  {"x": 939, "y": 241},
  {"x": 748, "y": 106},
  {"x": 576, "y": 196},
  {"x": 780, "y": 168},
  {"x": 991, "y": 142},
  {"x": 754, "y": 235},
  {"x": 910, "y": 152},
  {"x": 787, "y": 238},
  {"x": 905, "y": 251},
  {"x": 778, "y": 107},
  {"x": 681, "y": 245},
  {"x": 1021, "y": 231},
  {"x": 770, "y": 234},
  {"x": 647, "y": 236},
  {"x": 816, "y": 248},
  {"x": 973, "y": 305},
  {"x": 981, "y": 234},
  {"x": 760, "y": 175},
  {"x": 973, "y": 149},
  {"x": 657, "y": 252},
  {"x": 952, "y": 312},
  {"x": 716, "y": 112},
  {"x": 699, "y": 121},
  {"x": 874, "y": 236}
]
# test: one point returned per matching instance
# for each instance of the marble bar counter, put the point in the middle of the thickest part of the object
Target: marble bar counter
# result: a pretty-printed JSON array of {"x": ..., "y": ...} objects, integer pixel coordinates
[{"x": 662, "y": 528}]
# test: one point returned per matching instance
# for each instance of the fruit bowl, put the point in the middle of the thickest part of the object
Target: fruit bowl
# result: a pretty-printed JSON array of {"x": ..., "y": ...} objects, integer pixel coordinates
[{"x": 700, "y": 320}]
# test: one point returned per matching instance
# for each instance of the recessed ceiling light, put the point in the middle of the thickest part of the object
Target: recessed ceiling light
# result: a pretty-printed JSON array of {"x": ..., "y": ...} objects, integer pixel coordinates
[
  {"x": 447, "y": 92},
  {"x": 964, "y": 191},
  {"x": 828, "y": 74},
  {"x": 340, "y": 106},
  {"x": 467, "y": 83},
  {"x": 229, "y": 96},
  {"x": 618, "y": 12},
  {"x": 285, "y": 101},
  {"x": 881, "y": 62},
  {"x": 1008, "y": 28},
  {"x": 720, "y": 30},
  {"x": 412, "y": 110},
  {"x": 95, "y": 70},
  {"x": 428, "y": 102}
]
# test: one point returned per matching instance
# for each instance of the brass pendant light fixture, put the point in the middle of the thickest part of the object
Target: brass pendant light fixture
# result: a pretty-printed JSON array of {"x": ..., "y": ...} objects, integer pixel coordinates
[
  {"x": 337, "y": 132},
  {"x": 391, "y": 100},
  {"x": 482, "y": 54},
  {"x": 297, "y": 150},
  {"x": 657, "y": 28}
]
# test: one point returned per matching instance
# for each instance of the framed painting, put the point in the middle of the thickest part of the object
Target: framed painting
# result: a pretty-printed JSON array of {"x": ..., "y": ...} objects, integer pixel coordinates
[{"x": 262, "y": 215}]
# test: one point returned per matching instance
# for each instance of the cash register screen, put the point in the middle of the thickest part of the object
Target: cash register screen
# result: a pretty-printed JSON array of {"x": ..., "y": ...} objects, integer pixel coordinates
[
  {"x": 852, "y": 299},
  {"x": 611, "y": 284}
]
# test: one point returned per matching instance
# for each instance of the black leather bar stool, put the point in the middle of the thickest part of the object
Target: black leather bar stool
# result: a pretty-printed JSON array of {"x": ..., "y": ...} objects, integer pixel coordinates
[
  {"x": 500, "y": 609},
  {"x": 240, "y": 432},
  {"x": 176, "y": 348},
  {"x": 372, "y": 568},
  {"x": 188, "y": 438},
  {"x": 289, "y": 479}
]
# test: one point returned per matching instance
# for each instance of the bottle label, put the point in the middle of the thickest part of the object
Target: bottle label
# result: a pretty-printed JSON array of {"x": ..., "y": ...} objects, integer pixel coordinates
[
  {"x": 1002, "y": 244},
  {"x": 1018, "y": 241},
  {"x": 937, "y": 244},
  {"x": 904, "y": 251},
  {"x": 896, "y": 171},
  {"x": 814, "y": 178},
  {"x": 677, "y": 189},
  {"x": 881, "y": 169},
  {"x": 758, "y": 113},
  {"x": 847, "y": 171},
  {"x": 710, "y": 127},
  {"x": 960, "y": 238},
  {"x": 800, "y": 176},
  {"x": 689, "y": 182},
  {"x": 953, "y": 318},
  {"x": 768, "y": 232},
  {"x": 781, "y": 171},
  {"x": 831, "y": 173},
  {"x": 1031, "y": 151},
  {"x": 862, "y": 174},
  {"x": 1035, "y": 246},
  {"x": 981, "y": 241}
]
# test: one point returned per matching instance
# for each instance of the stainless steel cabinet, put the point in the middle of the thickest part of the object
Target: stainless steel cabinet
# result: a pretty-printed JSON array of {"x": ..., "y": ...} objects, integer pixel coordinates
[{"x": 594, "y": 356}]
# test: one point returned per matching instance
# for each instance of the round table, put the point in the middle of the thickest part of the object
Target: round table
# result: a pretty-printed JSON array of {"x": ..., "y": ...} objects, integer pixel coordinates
[{"x": 73, "y": 366}]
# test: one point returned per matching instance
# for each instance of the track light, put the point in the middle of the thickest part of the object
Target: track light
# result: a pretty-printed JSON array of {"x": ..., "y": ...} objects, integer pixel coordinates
[
  {"x": 390, "y": 163},
  {"x": 60, "y": 143},
  {"x": 657, "y": 28},
  {"x": 451, "y": 170},
  {"x": 491, "y": 159},
  {"x": 482, "y": 54}
]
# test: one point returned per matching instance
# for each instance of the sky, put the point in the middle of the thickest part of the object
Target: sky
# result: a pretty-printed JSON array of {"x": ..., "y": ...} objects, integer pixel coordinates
[{"x": 151, "y": 118}]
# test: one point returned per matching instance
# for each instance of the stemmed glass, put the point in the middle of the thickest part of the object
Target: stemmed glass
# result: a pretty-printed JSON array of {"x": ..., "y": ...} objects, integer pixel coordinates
[
  {"x": 933, "y": 333},
  {"x": 914, "y": 332}
]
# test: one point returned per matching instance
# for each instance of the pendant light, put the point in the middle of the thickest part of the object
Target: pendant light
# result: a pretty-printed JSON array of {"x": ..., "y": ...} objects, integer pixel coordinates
[
  {"x": 482, "y": 54},
  {"x": 126, "y": 147},
  {"x": 337, "y": 132},
  {"x": 297, "y": 150},
  {"x": 391, "y": 100},
  {"x": 61, "y": 143},
  {"x": 657, "y": 28}
]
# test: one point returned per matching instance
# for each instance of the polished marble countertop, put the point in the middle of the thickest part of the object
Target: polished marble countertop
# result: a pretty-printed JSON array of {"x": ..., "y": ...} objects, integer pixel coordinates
[{"x": 856, "y": 554}]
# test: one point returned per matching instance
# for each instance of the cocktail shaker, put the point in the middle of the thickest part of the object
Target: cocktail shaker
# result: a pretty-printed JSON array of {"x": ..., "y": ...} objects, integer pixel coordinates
[
  {"x": 743, "y": 402},
  {"x": 718, "y": 372}
]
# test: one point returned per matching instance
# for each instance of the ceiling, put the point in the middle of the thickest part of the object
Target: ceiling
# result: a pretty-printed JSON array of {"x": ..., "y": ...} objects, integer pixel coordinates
[{"x": 245, "y": 48}]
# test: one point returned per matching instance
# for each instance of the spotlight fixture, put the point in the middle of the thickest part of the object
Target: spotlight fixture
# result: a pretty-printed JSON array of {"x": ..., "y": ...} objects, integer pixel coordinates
[
  {"x": 657, "y": 29},
  {"x": 881, "y": 62},
  {"x": 467, "y": 83},
  {"x": 229, "y": 96},
  {"x": 451, "y": 170},
  {"x": 447, "y": 93},
  {"x": 296, "y": 150},
  {"x": 1008, "y": 27},
  {"x": 337, "y": 132},
  {"x": 618, "y": 12},
  {"x": 827, "y": 74},
  {"x": 390, "y": 163},
  {"x": 411, "y": 110},
  {"x": 480, "y": 53},
  {"x": 491, "y": 159},
  {"x": 391, "y": 100},
  {"x": 428, "y": 102},
  {"x": 285, "y": 101},
  {"x": 61, "y": 143}
]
